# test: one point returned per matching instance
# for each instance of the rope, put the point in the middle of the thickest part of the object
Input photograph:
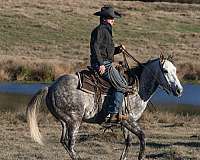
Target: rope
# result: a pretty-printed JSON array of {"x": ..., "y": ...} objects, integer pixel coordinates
[{"x": 118, "y": 82}]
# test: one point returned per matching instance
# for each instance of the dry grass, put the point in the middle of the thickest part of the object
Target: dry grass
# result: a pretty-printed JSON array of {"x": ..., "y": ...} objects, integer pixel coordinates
[
  {"x": 171, "y": 139},
  {"x": 169, "y": 117},
  {"x": 189, "y": 71},
  {"x": 59, "y": 32},
  {"x": 25, "y": 69}
]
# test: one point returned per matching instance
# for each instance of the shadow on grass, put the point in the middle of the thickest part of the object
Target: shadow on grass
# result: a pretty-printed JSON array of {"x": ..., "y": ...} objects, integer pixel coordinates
[
  {"x": 163, "y": 145},
  {"x": 157, "y": 145},
  {"x": 168, "y": 155},
  {"x": 159, "y": 155},
  {"x": 86, "y": 137},
  {"x": 188, "y": 144}
]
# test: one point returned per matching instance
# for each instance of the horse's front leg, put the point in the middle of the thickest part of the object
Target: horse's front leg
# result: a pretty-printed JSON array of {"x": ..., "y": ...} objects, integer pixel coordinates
[
  {"x": 127, "y": 138},
  {"x": 132, "y": 126}
]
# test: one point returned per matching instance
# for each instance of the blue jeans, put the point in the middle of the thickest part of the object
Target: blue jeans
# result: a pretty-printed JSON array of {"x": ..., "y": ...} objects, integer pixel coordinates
[{"x": 117, "y": 95}]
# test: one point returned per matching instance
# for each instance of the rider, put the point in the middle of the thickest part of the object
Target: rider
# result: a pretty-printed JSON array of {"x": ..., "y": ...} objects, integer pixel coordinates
[{"x": 102, "y": 54}]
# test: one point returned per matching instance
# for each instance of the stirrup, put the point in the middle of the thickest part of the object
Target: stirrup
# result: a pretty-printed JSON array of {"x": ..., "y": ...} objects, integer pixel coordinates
[{"x": 109, "y": 126}]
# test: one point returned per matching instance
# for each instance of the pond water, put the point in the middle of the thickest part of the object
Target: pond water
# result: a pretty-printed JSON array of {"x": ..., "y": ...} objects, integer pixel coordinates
[
  {"x": 15, "y": 97},
  {"x": 191, "y": 96},
  {"x": 188, "y": 103}
]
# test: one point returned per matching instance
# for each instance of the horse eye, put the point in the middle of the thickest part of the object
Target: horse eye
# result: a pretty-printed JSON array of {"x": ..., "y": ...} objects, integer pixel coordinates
[{"x": 165, "y": 71}]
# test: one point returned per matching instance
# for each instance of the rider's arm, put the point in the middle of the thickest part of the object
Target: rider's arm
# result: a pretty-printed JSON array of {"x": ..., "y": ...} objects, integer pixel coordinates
[{"x": 97, "y": 41}]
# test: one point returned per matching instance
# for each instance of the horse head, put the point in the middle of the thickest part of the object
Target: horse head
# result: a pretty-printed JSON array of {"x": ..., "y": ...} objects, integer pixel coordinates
[
  {"x": 168, "y": 78},
  {"x": 154, "y": 73}
]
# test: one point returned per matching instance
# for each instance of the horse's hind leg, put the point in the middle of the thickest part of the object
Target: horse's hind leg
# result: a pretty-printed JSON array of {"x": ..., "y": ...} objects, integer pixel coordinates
[
  {"x": 64, "y": 138},
  {"x": 68, "y": 138}
]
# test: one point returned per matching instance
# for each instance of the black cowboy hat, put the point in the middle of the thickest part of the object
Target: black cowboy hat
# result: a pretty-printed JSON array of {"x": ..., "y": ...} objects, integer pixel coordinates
[{"x": 108, "y": 12}]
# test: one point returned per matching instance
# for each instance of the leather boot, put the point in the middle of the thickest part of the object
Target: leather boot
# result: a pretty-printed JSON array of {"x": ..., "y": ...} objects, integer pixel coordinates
[{"x": 116, "y": 118}]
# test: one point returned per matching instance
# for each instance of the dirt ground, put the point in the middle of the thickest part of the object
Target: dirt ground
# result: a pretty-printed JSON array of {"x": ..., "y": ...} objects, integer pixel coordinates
[{"x": 177, "y": 140}]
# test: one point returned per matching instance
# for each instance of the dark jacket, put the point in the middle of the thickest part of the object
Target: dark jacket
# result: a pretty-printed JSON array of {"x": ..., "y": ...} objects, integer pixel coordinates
[{"x": 101, "y": 45}]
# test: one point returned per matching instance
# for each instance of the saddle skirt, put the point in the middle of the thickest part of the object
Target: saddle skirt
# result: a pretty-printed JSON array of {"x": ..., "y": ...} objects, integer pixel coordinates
[{"x": 91, "y": 82}]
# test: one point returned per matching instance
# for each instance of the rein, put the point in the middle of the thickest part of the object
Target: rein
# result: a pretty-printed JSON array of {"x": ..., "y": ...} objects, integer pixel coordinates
[{"x": 130, "y": 56}]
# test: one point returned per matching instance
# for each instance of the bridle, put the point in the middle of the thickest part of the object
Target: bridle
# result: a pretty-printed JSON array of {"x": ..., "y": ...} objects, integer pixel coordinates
[{"x": 168, "y": 89}]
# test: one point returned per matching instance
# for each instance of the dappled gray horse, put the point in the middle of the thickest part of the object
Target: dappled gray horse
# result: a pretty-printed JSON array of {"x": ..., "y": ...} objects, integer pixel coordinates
[{"x": 72, "y": 106}]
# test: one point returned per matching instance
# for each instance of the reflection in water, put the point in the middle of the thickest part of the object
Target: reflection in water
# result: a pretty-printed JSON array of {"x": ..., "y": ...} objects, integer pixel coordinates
[
  {"x": 15, "y": 96},
  {"x": 182, "y": 109},
  {"x": 13, "y": 102}
]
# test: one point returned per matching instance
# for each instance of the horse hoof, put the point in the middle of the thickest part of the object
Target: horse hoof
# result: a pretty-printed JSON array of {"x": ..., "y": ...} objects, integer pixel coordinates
[{"x": 141, "y": 158}]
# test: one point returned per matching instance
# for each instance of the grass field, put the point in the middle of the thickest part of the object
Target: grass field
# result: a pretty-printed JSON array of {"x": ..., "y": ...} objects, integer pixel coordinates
[
  {"x": 53, "y": 36},
  {"x": 174, "y": 138}
]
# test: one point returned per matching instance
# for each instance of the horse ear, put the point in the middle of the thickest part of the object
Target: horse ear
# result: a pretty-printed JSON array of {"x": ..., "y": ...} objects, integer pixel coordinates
[
  {"x": 170, "y": 58},
  {"x": 162, "y": 58}
]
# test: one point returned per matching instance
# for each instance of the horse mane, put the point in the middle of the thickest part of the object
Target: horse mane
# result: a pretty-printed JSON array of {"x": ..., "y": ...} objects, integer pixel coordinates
[{"x": 137, "y": 70}]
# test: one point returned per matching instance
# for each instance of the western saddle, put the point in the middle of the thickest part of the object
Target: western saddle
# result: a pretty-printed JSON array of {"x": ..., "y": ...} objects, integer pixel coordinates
[{"x": 91, "y": 82}]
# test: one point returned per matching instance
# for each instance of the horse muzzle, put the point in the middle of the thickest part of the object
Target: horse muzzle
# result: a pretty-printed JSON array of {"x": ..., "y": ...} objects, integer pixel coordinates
[{"x": 177, "y": 91}]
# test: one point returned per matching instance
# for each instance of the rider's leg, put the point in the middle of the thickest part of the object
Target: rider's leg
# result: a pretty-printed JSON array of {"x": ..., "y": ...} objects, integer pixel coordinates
[
  {"x": 114, "y": 109},
  {"x": 116, "y": 102},
  {"x": 117, "y": 95}
]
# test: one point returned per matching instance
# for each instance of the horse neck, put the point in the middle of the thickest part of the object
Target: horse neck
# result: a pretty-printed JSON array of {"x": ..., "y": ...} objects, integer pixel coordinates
[{"x": 148, "y": 81}]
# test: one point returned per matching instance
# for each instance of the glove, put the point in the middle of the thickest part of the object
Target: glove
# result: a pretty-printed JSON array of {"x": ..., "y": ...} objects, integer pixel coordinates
[
  {"x": 102, "y": 69},
  {"x": 121, "y": 48}
]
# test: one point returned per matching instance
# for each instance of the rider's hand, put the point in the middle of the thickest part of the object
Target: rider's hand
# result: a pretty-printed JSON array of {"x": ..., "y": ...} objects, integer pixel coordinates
[
  {"x": 102, "y": 69},
  {"x": 122, "y": 47}
]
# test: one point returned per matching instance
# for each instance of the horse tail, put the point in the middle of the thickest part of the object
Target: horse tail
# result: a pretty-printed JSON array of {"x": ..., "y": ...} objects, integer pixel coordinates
[{"x": 31, "y": 113}]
